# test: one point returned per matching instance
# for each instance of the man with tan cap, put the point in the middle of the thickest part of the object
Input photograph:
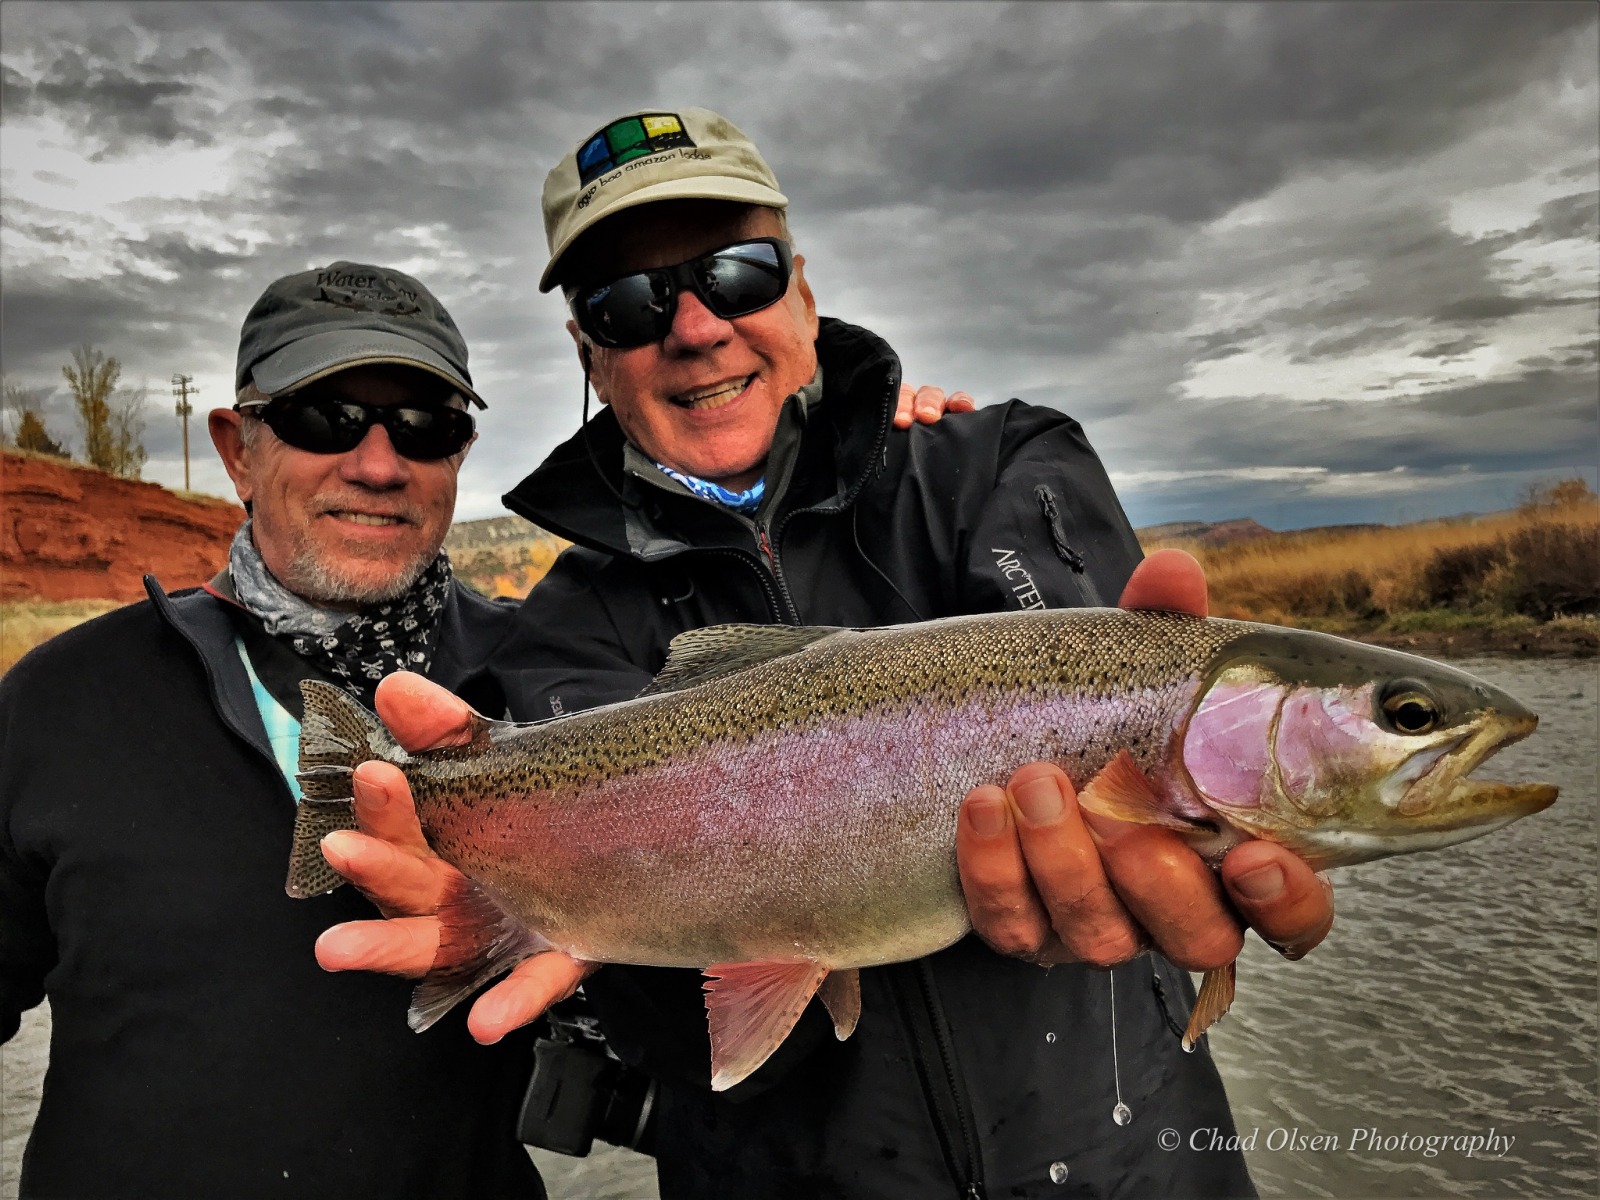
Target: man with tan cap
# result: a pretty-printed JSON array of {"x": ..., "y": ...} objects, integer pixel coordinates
[
  {"x": 147, "y": 795},
  {"x": 742, "y": 471}
]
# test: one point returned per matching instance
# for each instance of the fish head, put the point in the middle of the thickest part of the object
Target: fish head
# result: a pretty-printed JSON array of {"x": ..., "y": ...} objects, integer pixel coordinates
[{"x": 1347, "y": 753}]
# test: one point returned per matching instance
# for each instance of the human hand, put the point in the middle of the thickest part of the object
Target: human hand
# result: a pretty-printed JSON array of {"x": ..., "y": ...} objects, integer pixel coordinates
[
  {"x": 392, "y": 865},
  {"x": 928, "y": 404},
  {"x": 1046, "y": 881}
]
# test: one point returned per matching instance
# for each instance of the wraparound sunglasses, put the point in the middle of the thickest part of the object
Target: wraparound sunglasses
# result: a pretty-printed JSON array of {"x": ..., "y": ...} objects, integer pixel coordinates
[
  {"x": 325, "y": 423},
  {"x": 637, "y": 309}
]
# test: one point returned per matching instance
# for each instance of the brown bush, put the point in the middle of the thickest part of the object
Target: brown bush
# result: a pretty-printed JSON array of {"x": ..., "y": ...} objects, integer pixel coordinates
[
  {"x": 1554, "y": 570},
  {"x": 1454, "y": 577}
]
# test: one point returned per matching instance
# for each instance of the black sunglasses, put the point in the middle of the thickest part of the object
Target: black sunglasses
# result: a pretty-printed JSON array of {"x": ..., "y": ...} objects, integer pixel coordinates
[
  {"x": 637, "y": 309},
  {"x": 331, "y": 424}
]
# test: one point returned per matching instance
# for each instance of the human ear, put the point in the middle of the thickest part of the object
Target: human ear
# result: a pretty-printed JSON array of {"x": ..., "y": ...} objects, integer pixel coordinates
[
  {"x": 806, "y": 298},
  {"x": 586, "y": 356},
  {"x": 226, "y": 427}
]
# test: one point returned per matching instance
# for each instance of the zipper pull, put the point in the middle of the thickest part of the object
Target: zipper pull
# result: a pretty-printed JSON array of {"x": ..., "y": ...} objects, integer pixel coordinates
[{"x": 766, "y": 546}]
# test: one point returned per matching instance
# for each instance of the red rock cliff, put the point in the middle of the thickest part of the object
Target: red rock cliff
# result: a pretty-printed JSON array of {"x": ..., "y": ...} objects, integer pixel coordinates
[{"x": 69, "y": 532}]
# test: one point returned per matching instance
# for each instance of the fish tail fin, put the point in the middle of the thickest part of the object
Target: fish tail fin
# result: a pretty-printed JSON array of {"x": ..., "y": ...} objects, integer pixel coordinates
[
  {"x": 1214, "y": 1000},
  {"x": 336, "y": 736},
  {"x": 478, "y": 939}
]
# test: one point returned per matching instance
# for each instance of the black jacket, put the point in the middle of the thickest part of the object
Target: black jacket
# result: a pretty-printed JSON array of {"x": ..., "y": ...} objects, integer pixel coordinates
[
  {"x": 197, "y": 1049},
  {"x": 970, "y": 1074}
]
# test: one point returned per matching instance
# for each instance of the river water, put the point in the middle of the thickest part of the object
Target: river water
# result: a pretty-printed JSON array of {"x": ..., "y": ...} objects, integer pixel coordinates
[{"x": 1455, "y": 999}]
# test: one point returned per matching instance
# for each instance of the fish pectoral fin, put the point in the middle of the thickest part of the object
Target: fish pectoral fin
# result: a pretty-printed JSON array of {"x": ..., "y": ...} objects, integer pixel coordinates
[
  {"x": 751, "y": 1007},
  {"x": 1214, "y": 1000},
  {"x": 1122, "y": 791},
  {"x": 478, "y": 939},
  {"x": 840, "y": 993}
]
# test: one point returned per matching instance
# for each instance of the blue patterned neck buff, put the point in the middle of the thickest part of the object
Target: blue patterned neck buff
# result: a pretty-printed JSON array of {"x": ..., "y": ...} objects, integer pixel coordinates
[{"x": 746, "y": 501}]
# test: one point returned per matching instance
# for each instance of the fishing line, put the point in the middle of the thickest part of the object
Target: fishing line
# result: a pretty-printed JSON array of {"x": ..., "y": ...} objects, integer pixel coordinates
[{"x": 1121, "y": 1114}]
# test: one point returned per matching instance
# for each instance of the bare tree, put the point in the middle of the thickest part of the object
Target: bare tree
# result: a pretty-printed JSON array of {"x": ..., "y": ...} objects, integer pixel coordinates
[
  {"x": 26, "y": 429},
  {"x": 92, "y": 378},
  {"x": 127, "y": 432}
]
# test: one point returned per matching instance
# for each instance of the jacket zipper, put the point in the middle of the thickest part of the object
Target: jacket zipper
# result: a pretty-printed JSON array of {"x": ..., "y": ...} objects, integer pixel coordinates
[
  {"x": 791, "y": 610},
  {"x": 943, "y": 1090},
  {"x": 775, "y": 604}
]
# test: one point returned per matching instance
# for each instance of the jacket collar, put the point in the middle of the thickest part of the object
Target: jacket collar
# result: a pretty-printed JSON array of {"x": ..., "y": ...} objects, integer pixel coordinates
[{"x": 583, "y": 493}]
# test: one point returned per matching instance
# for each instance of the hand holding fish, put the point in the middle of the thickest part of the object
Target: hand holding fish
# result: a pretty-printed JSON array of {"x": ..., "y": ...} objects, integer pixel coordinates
[
  {"x": 1037, "y": 889},
  {"x": 390, "y": 862}
]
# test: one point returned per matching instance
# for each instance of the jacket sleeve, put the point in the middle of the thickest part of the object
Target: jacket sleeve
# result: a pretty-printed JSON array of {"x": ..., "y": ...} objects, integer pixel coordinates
[
  {"x": 1050, "y": 531},
  {"x": 27, "y": 946}
]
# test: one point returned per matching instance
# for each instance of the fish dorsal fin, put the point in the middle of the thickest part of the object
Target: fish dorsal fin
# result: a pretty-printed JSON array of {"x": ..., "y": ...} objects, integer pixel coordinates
[
  {"x": 1122, "y": 792},
  {"x": 705, "y": 654},
  {"x": 840, "y": 994},
  {"x": 751, "y": 1008}
]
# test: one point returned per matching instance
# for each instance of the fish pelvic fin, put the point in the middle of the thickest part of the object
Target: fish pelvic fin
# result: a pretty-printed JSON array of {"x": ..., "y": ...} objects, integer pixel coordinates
[
  {"x": 1123, "y": 792},
  {"x": 1214, "y": 1000},
  {"x": 478, "y": 939},
  {"x": 751, "y": 1008},
  {"x": 336, "y": 736},
  {"x": 840, "y": 993}
]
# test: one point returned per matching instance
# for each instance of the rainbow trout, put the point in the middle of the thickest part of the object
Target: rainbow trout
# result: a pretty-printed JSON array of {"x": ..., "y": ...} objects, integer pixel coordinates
[{"x": 779, "y": 807}]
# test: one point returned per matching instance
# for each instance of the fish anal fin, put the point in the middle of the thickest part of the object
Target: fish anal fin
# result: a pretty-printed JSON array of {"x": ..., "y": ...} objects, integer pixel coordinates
[
  {"x": 1123, "y": 792},
  {"x": 478, "y": 940},
  {"x": 1214, "y": 1000},
  {"x": 751, "y": 1008},
  {"x": 701, "y": 655},
  {"x": 840, "y": 993}
]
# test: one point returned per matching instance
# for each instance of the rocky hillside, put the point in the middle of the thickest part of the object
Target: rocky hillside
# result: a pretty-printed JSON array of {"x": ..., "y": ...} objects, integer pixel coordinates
[
  {"x": 70, "y": 532},
  {"x": 501, "y": 556}
]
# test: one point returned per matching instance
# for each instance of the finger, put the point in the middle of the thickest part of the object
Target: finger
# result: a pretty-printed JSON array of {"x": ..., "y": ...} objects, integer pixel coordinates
[
  {"x": 1005, "y": 910},
  {"x": 903, "y": 406},
  {"x": 399, "y": 882},
  {"x": 403, "y": 946},
  {"x": 422, "y": 715},
  {"x": 930, "y": 402},
  {"x": 522, "y": 996},
  {"x": 960, "y": 402},
  {"x": 384, "y": 808},
  {"x": 1170, "y": 580},
  {"x": 1282, "y": 898},
  {"x": 1170, "y": 892},
  {"x": 1064, "y": 864}
]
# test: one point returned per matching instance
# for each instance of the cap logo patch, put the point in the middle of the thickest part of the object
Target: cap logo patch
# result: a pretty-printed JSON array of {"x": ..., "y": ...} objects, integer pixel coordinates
[
  {"x": 366, "y": 292},
  {"x": 630, "y": 138}
]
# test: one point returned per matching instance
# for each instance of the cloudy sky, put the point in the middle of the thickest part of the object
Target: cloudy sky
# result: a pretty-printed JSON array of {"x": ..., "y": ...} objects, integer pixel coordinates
[{"x": 1310, "y": 263}]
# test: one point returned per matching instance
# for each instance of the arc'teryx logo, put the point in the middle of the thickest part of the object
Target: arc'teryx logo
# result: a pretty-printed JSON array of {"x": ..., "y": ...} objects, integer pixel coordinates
[{"x": 1017, "y": 578}]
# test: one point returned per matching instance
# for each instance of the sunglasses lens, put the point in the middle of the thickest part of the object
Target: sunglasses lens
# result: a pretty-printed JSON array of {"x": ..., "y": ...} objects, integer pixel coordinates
[
  {"x": 426, "y": 434},
  {"x": 630, "y": 311},
  {"x": 742, "y": 279},
  {"x": 320, "y": 426}
]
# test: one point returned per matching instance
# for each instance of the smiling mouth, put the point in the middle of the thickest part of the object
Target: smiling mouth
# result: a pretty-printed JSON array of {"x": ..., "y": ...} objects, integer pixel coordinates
[
  {"x": 359, "y": 518},
  {"x": 708, "y": 399}
]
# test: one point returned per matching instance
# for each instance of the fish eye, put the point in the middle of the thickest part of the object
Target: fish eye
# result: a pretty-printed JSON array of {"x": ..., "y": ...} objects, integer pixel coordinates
[{"x": 1409, "y": 709}]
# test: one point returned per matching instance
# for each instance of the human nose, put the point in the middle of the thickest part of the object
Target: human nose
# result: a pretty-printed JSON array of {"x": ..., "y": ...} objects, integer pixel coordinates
[
  {"x": 374, "y": 462},
  {"x": 695, "y": 328}
]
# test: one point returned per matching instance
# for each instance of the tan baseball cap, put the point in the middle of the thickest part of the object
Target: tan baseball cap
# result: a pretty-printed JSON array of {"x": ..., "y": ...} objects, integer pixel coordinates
[{"x": 650, "y": 155}]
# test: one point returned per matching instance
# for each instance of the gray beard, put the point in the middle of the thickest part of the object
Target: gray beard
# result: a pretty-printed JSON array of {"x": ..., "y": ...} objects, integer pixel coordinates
[{"x": 308, "y": 576}]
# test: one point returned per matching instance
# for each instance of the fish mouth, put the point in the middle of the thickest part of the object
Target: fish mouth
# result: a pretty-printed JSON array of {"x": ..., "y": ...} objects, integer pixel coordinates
[
  {"x": 1444, "y": 796},
  {"x": 1514, "y": 800}
]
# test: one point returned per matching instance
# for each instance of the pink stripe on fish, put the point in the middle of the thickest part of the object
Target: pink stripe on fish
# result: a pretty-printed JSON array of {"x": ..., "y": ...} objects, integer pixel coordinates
[
  {"x": 1320, "y": 743},
  {"x": 1228, "y": 748}
]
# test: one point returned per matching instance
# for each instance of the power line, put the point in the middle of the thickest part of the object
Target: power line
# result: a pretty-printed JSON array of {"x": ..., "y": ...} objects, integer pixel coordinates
[{"x": 183, "y": 387}]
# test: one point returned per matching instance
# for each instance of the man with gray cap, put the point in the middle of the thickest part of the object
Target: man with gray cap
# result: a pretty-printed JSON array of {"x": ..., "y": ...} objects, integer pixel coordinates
[
  {"x": 742, "y": 472},
  {"x": 147, "y": 797}
]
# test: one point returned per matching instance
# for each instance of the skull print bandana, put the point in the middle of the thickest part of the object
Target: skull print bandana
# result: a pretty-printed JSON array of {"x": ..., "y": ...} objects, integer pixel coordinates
[{"x": 355, "y": 649}]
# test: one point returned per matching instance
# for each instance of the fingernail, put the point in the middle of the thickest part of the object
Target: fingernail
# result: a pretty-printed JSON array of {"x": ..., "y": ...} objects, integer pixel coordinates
[
  {"x": 1039, "y": 800},
  {"x": 1262, "y": 884},
  {"x": 987, "y": 816},
  {"x": 928, "y": 412}
]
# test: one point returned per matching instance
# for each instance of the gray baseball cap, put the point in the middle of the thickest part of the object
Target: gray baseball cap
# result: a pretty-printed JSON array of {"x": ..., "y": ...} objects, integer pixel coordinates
[{"x": 347, "y": 314}]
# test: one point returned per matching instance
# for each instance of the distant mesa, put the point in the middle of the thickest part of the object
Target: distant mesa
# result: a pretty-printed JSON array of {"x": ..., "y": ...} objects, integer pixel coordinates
[{"x": 1205, "y": 533}]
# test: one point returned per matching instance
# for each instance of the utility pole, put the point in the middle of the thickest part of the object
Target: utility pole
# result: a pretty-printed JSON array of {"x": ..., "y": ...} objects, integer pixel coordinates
[{"x": 183, "y": 387}]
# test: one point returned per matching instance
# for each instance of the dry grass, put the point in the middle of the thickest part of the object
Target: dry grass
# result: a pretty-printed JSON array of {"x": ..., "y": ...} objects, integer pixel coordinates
[
  {"x": 25, "y": 624},
  {"x": 1538, "y": 563}
]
